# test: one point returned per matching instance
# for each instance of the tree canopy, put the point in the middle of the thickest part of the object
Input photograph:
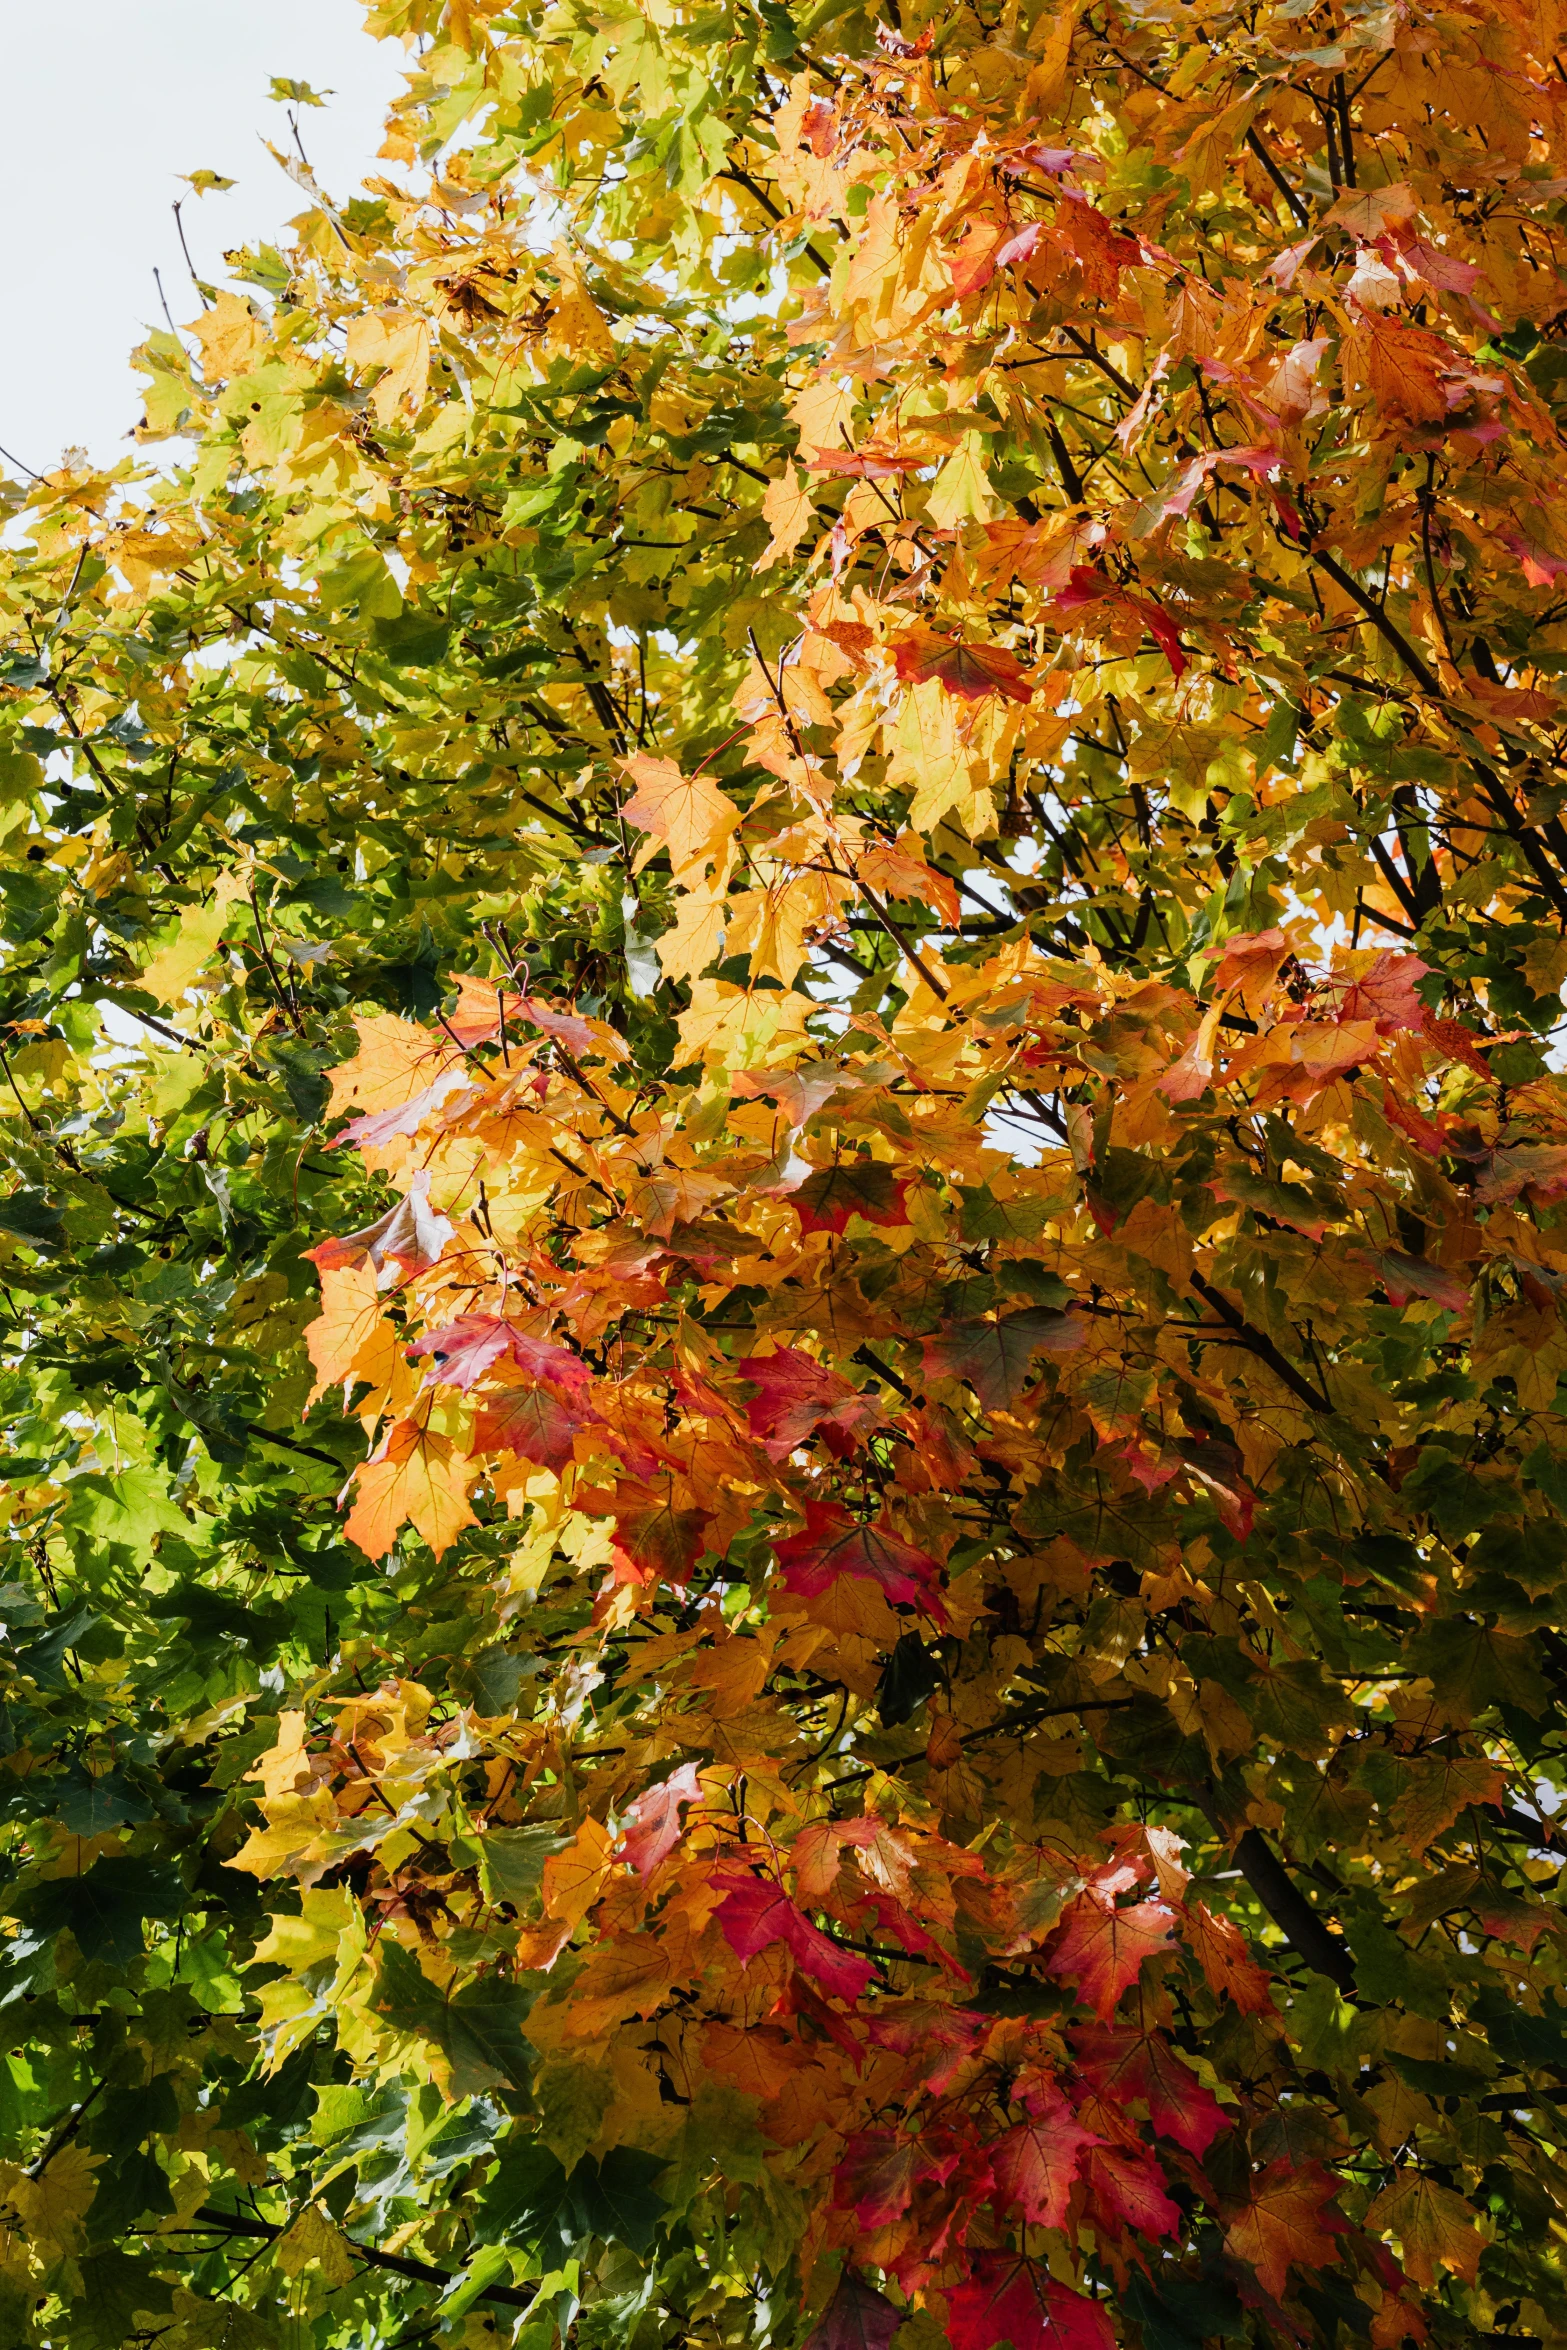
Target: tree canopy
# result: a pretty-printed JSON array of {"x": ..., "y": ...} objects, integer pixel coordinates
[{"x": 784, "y": 1227}]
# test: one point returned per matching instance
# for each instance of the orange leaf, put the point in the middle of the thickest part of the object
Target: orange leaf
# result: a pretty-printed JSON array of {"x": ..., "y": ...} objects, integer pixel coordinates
[
  {"x": 414, "y": 1478},
  {"x": 1289, "y": 2223},
  {"x": 348, "y": 1324},
  {"x": 688, "y": 814},
  {"x": 1219, "y": 1948}
]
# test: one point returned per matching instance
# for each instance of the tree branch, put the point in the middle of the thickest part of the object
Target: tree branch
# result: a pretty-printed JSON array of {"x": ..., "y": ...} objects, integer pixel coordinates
[{"x": 238, "y": 2223}]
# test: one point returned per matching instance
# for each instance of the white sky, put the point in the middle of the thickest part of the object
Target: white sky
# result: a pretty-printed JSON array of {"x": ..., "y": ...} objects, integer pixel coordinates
[{"x": 110, "y": 101}]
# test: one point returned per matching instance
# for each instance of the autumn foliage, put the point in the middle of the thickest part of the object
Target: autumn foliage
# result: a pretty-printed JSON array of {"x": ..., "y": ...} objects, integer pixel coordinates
[{"x": 786, "y": 1455}]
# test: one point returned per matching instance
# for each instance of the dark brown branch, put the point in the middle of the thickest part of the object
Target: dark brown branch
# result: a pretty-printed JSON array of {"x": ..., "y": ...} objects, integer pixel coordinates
[
  {"x": 1379, "y": 620},
  {"x": 1261, "y": 1346},
  {"x": 1324, "y": 1952},
  {"x": 1278, "y": 179},
  {"x": 239, "y": 2223},
  {"x": 743, "y": 179}
]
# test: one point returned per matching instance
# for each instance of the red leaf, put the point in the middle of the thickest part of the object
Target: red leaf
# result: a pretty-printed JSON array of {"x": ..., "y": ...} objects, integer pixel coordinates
[
  {"x": 1164, "y": 633},
  {"x": 1386, "y": 993},
  {"x": 1458, "y": 1042},
  {"x": 1126, "y": 2189},
  {"x": 1124, "y": 2065},
  {"x": 1012, "y": 2300},
  {"x": 465, "y": 1349},
  {"x": 856, "y": 2318},
  {"x": 754, "y": 1915},
  {"x": 968, "y": 671},
  {"x": 1086, "y": 586},
  {"x": 653, "y": 1823},
  {"x": 1420, "y": 1131},
  {"x": 1035, "y": 2164},
  {"x": 876, "y": 2176},
  {"x": 834, "y": 1544},
  {"x": 799, "y": 1397},
  {"x": 1102, "y": 1949},
  {"x": 1098, "y": 248},
  {"x": 940, "y": 2039},
  {"x": 826, "y": 1200},
  {"x": 533, "y": 1423}
]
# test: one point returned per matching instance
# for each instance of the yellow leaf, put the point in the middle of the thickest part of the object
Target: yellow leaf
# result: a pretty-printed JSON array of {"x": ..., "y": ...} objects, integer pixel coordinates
[
  {"x": 231, "y": 336},
  {"x": 394, "y": 1062},
  {"x": 347, "y": 1328},
  {"x": 188, "y": 947},
  {"x": 688, "y": 813},
  {"x": 697, "y": 935},
  {"x": 50, "y": 2209},
  {"x": 314, "y": 2243},
  {"x": 961, "y": 492},
  {"x": 734, "y": 1028},
  {"x": 399, "y": 345},
  {"x": 572, "y": 1878},
  {"x": 295, "y": 1824},
  {"x": 788, "y": 510},
  {"x": 328, "y": 1918}
]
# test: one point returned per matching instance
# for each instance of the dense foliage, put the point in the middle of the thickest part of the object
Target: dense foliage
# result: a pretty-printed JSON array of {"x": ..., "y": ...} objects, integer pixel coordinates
[{"x": 785, "y": 1217}]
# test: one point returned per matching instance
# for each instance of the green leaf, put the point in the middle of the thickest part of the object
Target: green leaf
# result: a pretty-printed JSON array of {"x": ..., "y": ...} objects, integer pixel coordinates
[{"x": 106, "y": 1909}]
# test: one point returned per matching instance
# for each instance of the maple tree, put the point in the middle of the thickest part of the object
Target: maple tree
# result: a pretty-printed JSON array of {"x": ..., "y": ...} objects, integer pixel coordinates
[{"x": 781, "y": 1248}]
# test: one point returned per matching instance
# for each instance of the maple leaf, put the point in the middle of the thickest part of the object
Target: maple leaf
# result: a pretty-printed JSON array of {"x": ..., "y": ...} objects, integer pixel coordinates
[
  {"x": 756, "y": 1914},
  {"x": 479, "y": 1013},
  {"x": 799, "y": 1397},
  {"x": 876, "y": 2176},
  {"x": 415, "y": 1476},
  {"x": 1404, "y": 1277},
  {"x": 534, "y": 1423},
  {"x": 1386, "y": 992},
  {"x": 348, "y": 1325},
  {"x": 653, "y": 1825},
  {"x": 969, "y": 672},
  {"x": 1289, "y": 2221},
  {"x": 1125, "y": 2189},
  {"x": 1430, "y": 1138},
  {"x": 1407, "y": 369},
  {"x": 395, "y": 1064},
  {"x": 1457, "y": 1041},
  {"x": 1086, "y": 587},
  {"x": 1101, "y": 1948},
  {"x": 408, "y": 1239},
  {"x": 825, "y": 1201},
  {"x": 687, "y": 814},
  {"x": 1441, "y": 1787},
  {"x": 1127, "y": 2064},
  {"x": 465, "y": 1349},
  {"x": 1005, "y": 2299},
  {"x": 996, "y": 1357},
  {"x": 856, "y": 2318},
  {"x": 834, "y": 1544},
  {"x": 1433, "y": 2226},
  {"x": 1221, "y": 1951},
  {"x": 1100, "y": 250},
  {"x": 655, "y": 1536},
  {"x": 1035, "y": 2164}
]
